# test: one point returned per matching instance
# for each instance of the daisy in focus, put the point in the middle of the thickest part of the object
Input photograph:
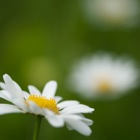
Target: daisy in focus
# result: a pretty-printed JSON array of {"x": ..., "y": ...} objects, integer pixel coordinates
[
  {"x": 102, "y": 76},
  {"x": 46, "y": 105},
  {"x": 113, "y": 12}
]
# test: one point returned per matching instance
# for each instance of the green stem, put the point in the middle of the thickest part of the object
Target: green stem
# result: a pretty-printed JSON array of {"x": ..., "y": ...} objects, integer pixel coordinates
[{"x": 37, "y": 127}]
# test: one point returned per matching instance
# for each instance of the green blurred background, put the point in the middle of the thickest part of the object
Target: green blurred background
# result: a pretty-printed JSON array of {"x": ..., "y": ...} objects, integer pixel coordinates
[{"x": 39, "y": 40}]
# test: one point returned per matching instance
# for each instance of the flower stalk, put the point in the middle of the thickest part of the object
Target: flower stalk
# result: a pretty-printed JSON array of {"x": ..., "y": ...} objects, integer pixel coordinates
[{"x": 37, "y": 128}]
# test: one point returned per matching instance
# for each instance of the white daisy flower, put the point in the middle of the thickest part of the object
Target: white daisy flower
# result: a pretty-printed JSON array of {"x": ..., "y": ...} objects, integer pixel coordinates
[
  {"x": 102, "y": 75},
  {"x": 46, "y": 105},
  {"x": 112, "y": 12}
]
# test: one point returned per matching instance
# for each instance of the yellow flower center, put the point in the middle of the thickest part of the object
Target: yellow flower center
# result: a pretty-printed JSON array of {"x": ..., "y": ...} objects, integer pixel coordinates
[
  {"x": 104, "y": 86},
  {"x": 43, "y": 102}
]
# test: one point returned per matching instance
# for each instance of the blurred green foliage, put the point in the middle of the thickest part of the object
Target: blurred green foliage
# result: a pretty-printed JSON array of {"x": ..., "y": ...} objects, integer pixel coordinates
[{"x": 39, "y": 40}]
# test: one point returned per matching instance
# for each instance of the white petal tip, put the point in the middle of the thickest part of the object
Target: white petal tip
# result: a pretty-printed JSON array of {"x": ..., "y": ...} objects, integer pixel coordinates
[
  {"x": 2, "y": 85},
  {"x": 88, "y": 134},
  {"x": 92, "y": 109},
  {"x": 54, "y": 83},
  {"x": 50, "y": 89},
  {"x": 6, "y": 77}
]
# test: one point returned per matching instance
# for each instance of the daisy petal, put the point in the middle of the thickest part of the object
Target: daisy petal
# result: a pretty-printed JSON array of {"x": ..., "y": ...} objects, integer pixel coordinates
[
  {"x": 58, "y": 98},
  {"x": 80, "y": 118},
  {"x": 69, "y": 127},
  {"x": 87, "y": 121},
  {"x": 49, "y": 89},
  {"x": 77, "y": 109},
  {"x": 78, "y": 126},
  {"x": 12, "y": 88},
  {"x": 5, "y": 95},
  {"x": 54, "y": 120},
  {"x": 6, "y": 109},
  {"x": 25, "y": 94},
  {"x": 33, "y": 90},
  {"x": 66, "y": 104},
  {"x": 34, "y": 108},
  {"x": 17, "y": 87},
  {"x": 2, "y": 85}
]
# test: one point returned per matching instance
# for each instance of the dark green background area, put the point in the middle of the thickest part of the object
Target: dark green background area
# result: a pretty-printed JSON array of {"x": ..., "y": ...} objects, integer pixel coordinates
[{"x": 39, "y": 40}]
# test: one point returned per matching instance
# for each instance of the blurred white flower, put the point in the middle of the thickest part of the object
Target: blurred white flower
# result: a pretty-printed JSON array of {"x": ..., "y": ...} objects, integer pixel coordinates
[
  {"x": 103, "y": 76},
  {"x": 113, "y": 12},
  {"x": 46, "y": 105}
]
